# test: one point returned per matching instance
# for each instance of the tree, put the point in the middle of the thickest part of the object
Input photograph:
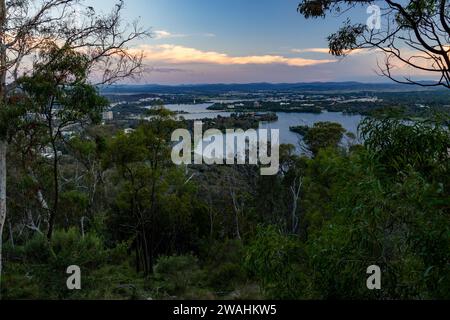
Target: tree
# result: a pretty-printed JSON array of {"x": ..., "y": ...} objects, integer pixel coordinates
[
  {"x": 28, "y": 26},
  {"x": 59, "y": 97},
  {"x": 89, "y": 149},
  {"x": 413, "y": 33},
  {"x": 154, "y": 199},
  {"x": 324, "y": 135},
  {"x": 278, "y": 197},
  {"x": 422, "y": 145},
  {"x": 383, "y": 204},
  {"x": 278, "y": 261}
]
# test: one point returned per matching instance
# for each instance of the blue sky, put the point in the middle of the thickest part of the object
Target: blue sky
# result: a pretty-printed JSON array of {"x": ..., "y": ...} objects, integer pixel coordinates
[{"x": 238, "y": 41}]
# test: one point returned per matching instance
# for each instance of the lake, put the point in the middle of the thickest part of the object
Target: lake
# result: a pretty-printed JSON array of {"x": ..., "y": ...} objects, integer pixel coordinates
[{"x": 285, "y": 120}]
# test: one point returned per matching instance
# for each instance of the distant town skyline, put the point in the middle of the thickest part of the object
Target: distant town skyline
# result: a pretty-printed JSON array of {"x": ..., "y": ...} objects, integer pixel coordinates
[{"x": 235, "y": 41}]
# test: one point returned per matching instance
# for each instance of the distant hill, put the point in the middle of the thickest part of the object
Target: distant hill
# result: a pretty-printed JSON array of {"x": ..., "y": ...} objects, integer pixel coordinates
[{"x": 313, "y": 87}]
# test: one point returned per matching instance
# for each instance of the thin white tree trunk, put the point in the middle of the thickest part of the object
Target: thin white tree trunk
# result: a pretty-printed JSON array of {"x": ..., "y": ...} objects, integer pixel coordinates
[
  {"x": 3, "y": 143},
  {"x": 2, "y": 197},
  {"x": 295, "y": 190},
  {"x": 237, "y": 211}
]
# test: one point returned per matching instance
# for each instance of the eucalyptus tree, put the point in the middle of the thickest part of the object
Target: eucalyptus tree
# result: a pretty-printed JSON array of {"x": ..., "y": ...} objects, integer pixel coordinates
[
  {"x": 28, "y": 26},
  {"x": 59, "y": 96},
  {"x": 412, "y": 33},
  {"x": 153, "y": 203}
]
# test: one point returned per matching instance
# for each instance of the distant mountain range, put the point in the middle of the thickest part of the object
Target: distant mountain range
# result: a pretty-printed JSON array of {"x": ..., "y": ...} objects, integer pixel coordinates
[{"x": 313, "y": 87}]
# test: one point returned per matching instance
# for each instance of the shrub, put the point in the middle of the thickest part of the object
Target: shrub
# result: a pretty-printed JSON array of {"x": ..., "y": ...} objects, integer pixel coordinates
[
  {"x": 39, "y": 269},
  {"x": 226, "y": 277},
  {"x": 276, "y": 260},
  {"x": 176, "y": 274}
]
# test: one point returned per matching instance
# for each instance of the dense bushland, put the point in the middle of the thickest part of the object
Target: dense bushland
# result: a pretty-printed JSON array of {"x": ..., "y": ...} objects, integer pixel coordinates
[{"x": 141, "y": 228}]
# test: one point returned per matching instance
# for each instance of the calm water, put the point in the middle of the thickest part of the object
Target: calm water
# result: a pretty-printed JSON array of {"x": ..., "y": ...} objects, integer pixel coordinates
[
  {"x": 196, "y": 111},
  {"x": 285, "y": 120}
]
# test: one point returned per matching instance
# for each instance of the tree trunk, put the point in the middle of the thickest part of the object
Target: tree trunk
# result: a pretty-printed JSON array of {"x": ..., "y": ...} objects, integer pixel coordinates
[
  {"x": 237, "y": 211},
  {"x": 3, "y": 143},
  {"x": 54, "y": 211},
  {"x": 295, "y": 190},
  {"x": 2, "y": 198}
]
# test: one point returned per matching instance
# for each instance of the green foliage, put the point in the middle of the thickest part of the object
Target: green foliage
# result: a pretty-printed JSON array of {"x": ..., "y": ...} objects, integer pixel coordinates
[
  {"x": 223, "y": 264},
  {"x": 385, "y": 205},
  {"x": 154, "y": 205},
  {"x": 413, "y": 19},
  {"x": 390, "y": 225},
  {"x": 226, "y": 277},
  {"x": 40, "y": 267},
  {"x": 176, "y": 275},
  {"x": 75, "y": 205},
  {"x": 60, "y": 79},
  {"x": 154, "y": 230},
  {"x": 323, "y": 178},
  {"x": 400, "y": 145},
  {"x": 277, "y": 261},
  {"x": 345, "y": 39},
  {"x": 324, "y": 135},
  {"x": 10, "y": 117}
]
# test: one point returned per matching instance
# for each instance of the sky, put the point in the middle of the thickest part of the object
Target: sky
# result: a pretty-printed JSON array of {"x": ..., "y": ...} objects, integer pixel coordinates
[{"x": 240, "y": 41}]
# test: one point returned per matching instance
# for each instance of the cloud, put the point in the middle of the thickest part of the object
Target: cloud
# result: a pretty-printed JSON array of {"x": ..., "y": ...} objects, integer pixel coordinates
[
  {"x": 208, "y": 35},
  {"x": 164, "y": 34},
  {"x": 312, "y": 50},
  {"x": 327, "y": 51},
  {"x": 165, "y": 70},
  {"x": 175, "y": 54}
]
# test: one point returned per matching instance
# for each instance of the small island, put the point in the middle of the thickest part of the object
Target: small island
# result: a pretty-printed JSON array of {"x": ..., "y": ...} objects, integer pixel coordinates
[
  {"x": 267, "y": 106},
  {"x": 301, "y": 130},
  {"x": 242, "y": 121}
]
